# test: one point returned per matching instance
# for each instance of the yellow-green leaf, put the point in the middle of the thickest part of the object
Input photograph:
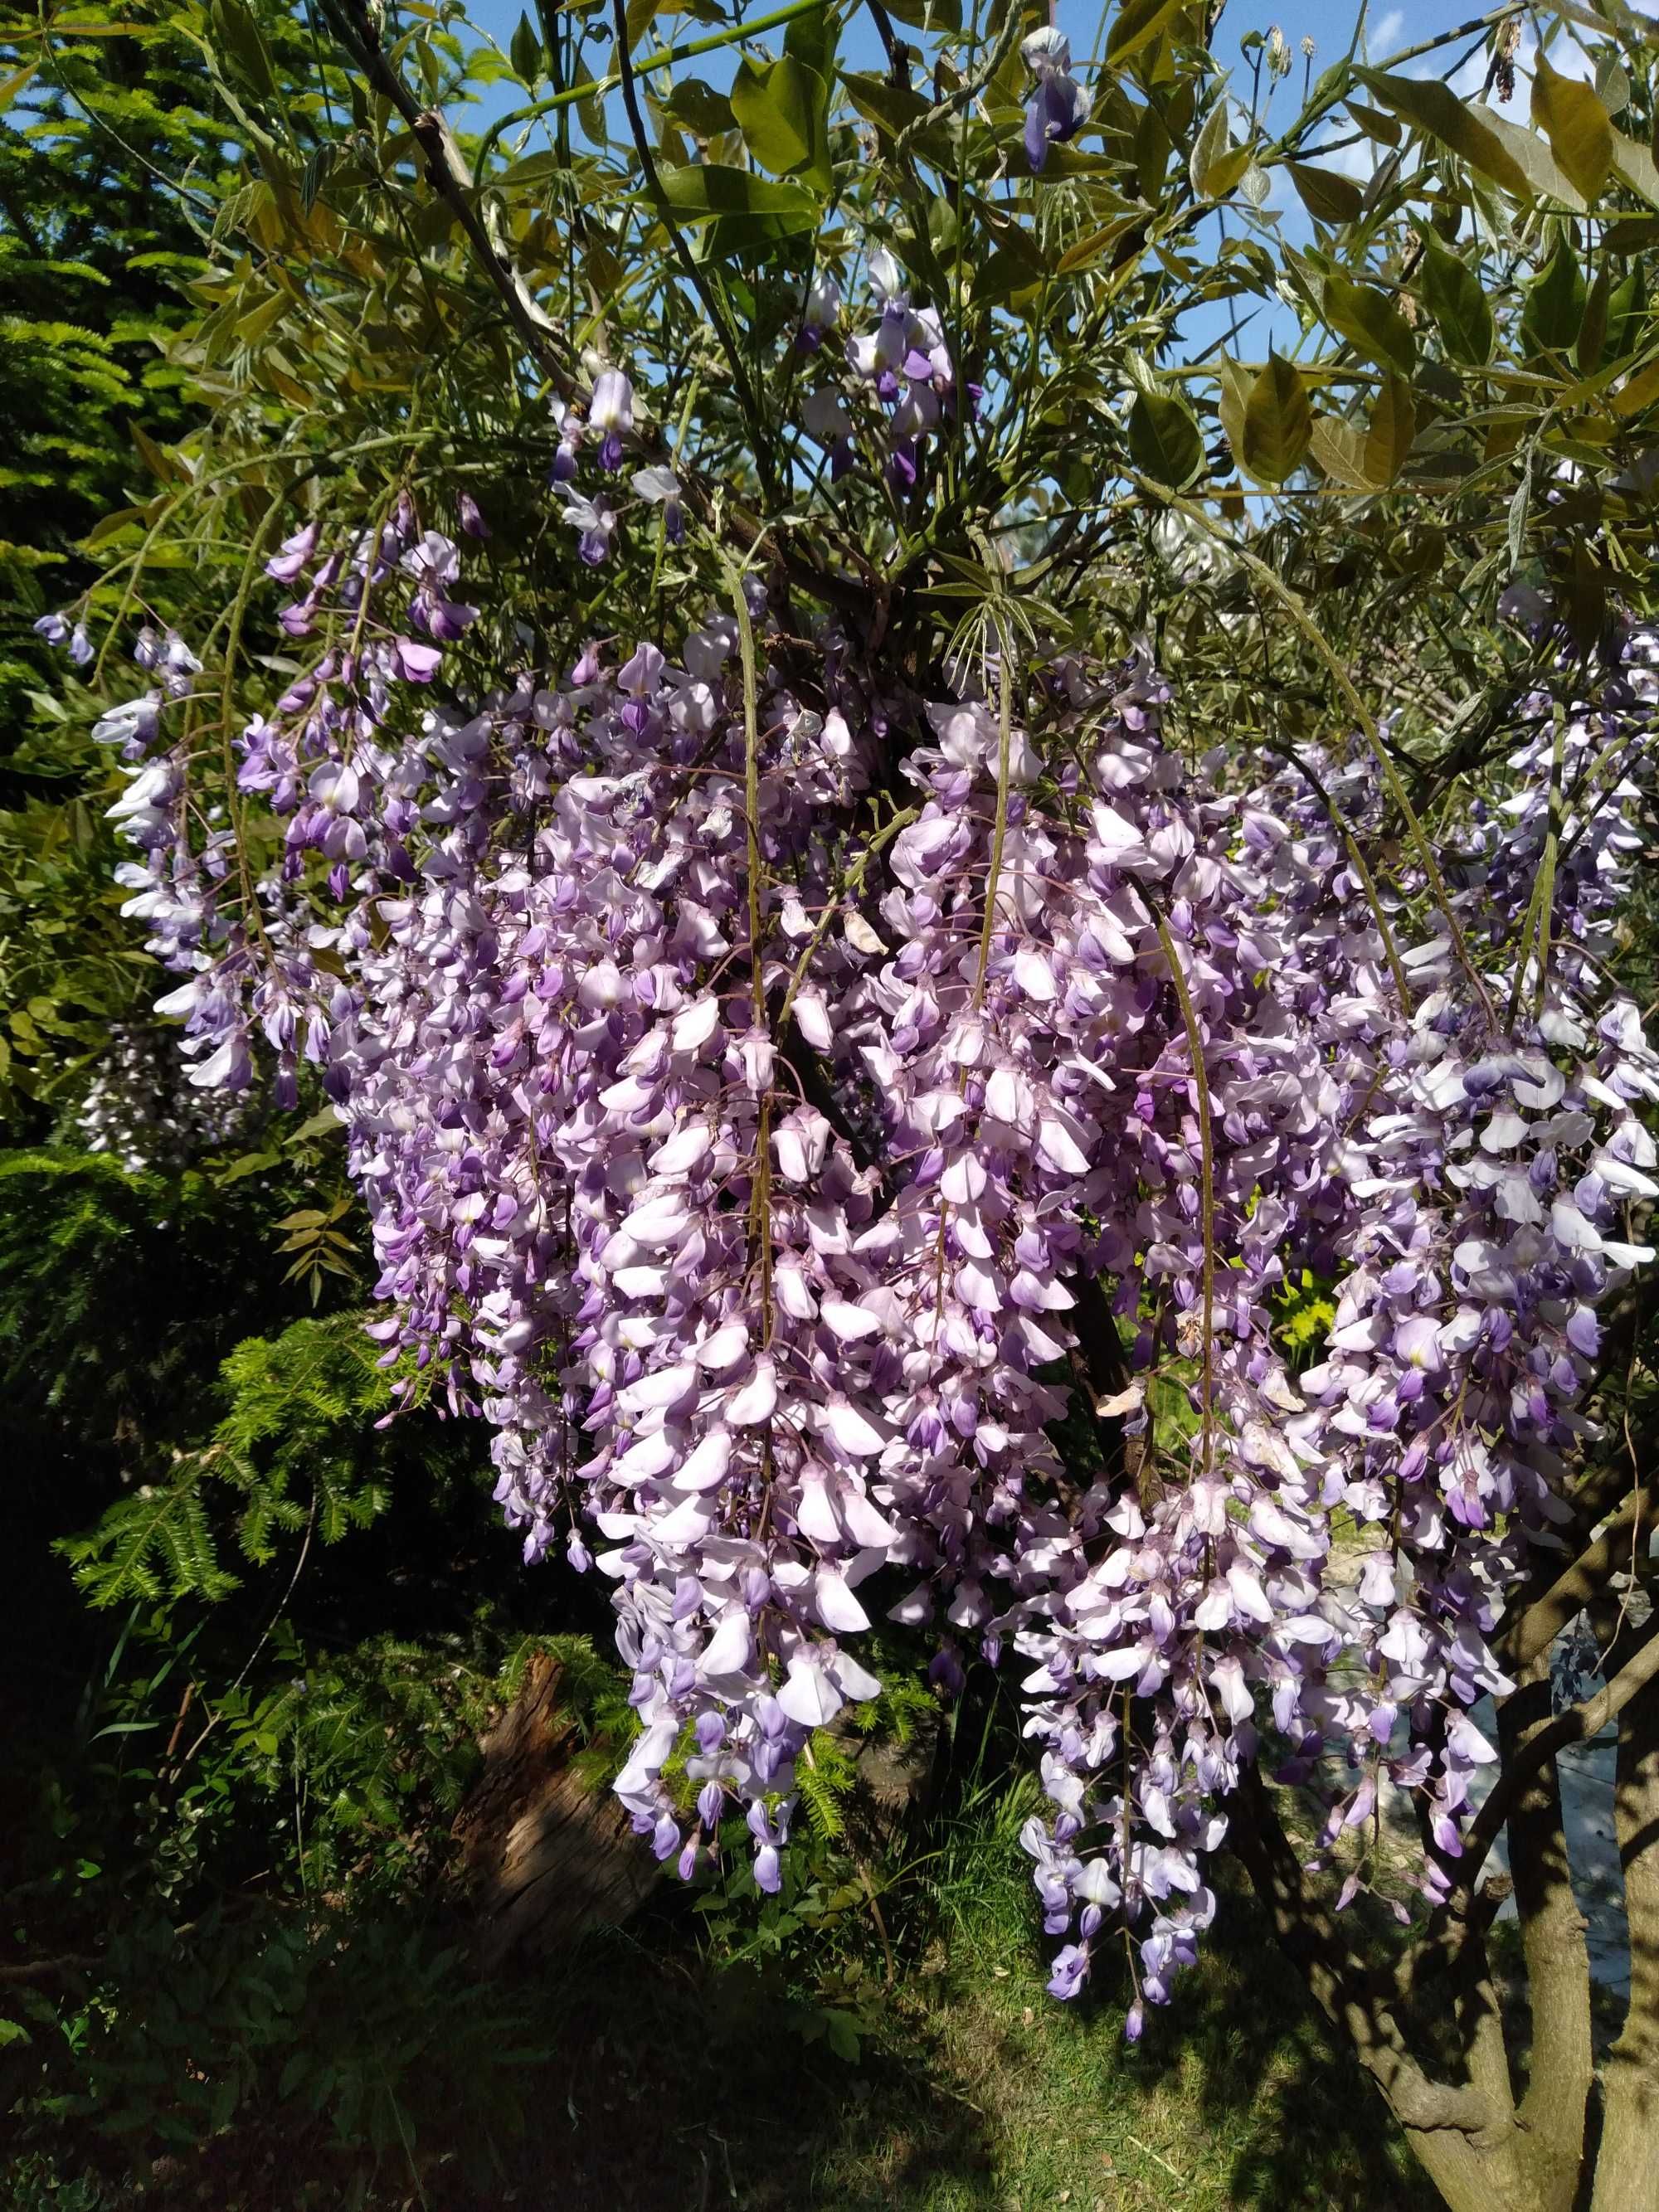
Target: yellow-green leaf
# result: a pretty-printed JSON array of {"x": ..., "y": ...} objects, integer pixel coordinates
[
  {"x": 1217, "y": 164},
  {"x": 1083, "y": 252},
  {"x": 1436, "y": 108},
  {"x": 1453, "y": 295},
  {"x": 1136, "y": 24},
  {"x": 1577, "y": 126},
  {"x": 781, "y": 108},
  {"x": 1327, "y": 197},
  {"x": 1340, "y": 450},
  {"x": 1394, "y": 426},
  {"x": 1163, "y": 439},
  {"x": 1278, "y": 423},
  {"x": 1371, "y": 321}
]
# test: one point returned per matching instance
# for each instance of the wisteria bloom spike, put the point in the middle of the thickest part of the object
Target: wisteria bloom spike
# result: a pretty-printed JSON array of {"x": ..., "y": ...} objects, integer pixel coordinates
[{"x": 763, "y": 1120}]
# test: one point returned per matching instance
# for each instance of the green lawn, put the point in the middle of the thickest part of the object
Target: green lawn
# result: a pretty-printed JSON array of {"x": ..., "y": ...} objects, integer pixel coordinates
[{"x": 647, "y": 2083}]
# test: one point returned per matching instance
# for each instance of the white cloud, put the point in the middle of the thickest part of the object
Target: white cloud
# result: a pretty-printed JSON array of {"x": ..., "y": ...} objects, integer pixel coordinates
[{"x": 1384, "y": 35}]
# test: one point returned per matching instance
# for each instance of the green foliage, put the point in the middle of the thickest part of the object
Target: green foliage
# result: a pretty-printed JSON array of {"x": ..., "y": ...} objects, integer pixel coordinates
[
  {"x": 69, "y": 969},
  {"x": 348, "y": 2035},
  {"x": 1305, "y": 1311},
  {"x": 298, "y": 1443},
  {"x": 96, "y": 235},
  {"x": 233, "y": 298},
  {"x": 114, "y": 1287}
]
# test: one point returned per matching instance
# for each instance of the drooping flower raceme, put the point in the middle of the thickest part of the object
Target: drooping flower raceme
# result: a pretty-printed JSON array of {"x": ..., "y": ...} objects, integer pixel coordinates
[{"x": 774, "y": 1180}]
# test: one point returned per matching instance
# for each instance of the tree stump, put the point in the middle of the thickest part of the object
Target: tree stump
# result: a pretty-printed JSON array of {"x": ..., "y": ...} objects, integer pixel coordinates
[{"x": 545, "y": 1854}]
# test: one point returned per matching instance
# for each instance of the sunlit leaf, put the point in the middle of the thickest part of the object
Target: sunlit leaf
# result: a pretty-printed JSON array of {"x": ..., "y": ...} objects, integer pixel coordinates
[
  {"x": 1327, "y": 196},
  {"x": 1278, "y": 423},
  {"x": 1576, "y": 125},
  {"x": 1135, "y": 24},
  {"x": 1393, "y": 428},
  {"x": 1436, "y": 108},
  {"x": 1452, "y": 293},
  {"x": 1371, "y": 321},
  {"x": 1163, "y": 439}
]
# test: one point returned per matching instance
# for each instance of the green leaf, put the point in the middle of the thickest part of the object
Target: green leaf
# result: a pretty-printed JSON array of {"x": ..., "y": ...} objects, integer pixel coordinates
[
  {"x": 237, "y": 34},
  {"x": 1548, "y": 179},
  {"x": 16, "y": 82},
  {"x": 1083, "y": 252},
  {"x": 782, "y": 110},
  {"x": 810, "y": 39},
  {"x": 1135, "y": 25},
  {"x": 1555, "y": 308},
  {"x": 639, "y": 14},
  {"x": 109, "y": 525},
  {"x": 697, "y": 107},
  {"x": 1370, "y": 321},
  {"x": 1231, "y": 402},
  {"x": 1592, "y": 331},
  {"x": 1453, "y": 295},
  {"x": 1577, "y": 126},
  {"x": 1639, "y": 393},
  {"x": 1636, "y": 167},
  {"x": 710, "y": 190},
  {"x": 1611, "y": 84},
  {"x": 1217, "y": 164},
  {"x": 1394, "y": 427},
  {"x": 526, "y": 52},
  {"x": 1327, "y": 197},
  {"x": 255, "y": 325},
  {"x": 1436, "y": 108},
  {"x": 1340, "y": 449},
  {"x": 1516, "y": 533},
  {"x": 1163, "y": 439},
  {"x": 250, "y": 1164},
  {"x": 1383, "y": 130},
  {"x": 890, "y": 108},
  {"x": 1278, "y": 424},
  {"x": 927, "y": 15}
]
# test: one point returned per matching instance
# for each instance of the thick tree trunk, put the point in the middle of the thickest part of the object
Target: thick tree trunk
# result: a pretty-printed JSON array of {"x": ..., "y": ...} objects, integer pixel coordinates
[
  {"x": 1552, "y": 2112},
  {"x": 1477, "y": 2172},
  {"x": 1628, "y": 2167}
]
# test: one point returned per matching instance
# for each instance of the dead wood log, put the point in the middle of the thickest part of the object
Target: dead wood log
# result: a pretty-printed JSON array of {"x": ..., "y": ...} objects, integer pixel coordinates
[{"x": 545, "y": 1851}]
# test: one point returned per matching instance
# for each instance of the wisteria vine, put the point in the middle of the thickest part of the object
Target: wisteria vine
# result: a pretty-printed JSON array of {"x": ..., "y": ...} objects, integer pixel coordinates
[{"x": 781, "y": 1101}]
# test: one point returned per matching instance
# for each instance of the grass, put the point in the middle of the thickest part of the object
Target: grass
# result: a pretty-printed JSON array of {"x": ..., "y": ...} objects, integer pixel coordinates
[{"x": 649, "y": 2084}]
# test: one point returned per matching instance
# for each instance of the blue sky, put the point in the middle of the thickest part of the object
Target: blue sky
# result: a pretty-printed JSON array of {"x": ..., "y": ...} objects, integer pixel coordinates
[
  {"x": 1390, "y": 27},
  {"x": 1389, "y": 30}
]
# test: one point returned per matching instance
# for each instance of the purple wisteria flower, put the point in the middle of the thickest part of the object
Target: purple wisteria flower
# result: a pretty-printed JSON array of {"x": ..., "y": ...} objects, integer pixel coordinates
[
  {"x": 661, "y": 487},
  {"x": 610, "y": 412},
  {"x": 740, "y": 1369},
  {"x": 1059, "y": 106},
  {"x": 596, "y": 520}
]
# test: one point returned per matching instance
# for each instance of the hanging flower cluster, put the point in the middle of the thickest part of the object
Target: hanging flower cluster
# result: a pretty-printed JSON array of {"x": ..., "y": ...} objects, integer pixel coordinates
[
  {"x": 780, "y": 1100},
  {"x": 903, "y": 366}
]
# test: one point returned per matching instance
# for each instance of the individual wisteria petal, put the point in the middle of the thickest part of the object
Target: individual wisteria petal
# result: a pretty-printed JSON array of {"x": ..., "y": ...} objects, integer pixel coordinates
[
  {"x": 610, "y": 412},
  {"x": 661, "y": 487},
  {"x": 1057, "y": 111}
]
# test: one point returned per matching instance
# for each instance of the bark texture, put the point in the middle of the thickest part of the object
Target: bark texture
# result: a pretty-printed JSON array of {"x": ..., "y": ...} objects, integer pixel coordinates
[
  {"x": 1627, "y": 2166},
  {"x": 545, "y": 1853},
  {"x": 1430, "y": 2029}
]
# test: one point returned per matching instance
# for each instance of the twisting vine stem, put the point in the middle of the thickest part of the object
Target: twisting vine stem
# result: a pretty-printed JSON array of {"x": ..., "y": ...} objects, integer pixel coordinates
[{"x": 1206, "y": 1171}]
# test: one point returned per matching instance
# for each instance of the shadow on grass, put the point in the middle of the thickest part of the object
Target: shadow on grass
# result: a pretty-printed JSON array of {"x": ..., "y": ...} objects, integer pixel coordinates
[
  {"x": 1245, "y": 2048},
  {"x": 626, "y": 2078}
]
